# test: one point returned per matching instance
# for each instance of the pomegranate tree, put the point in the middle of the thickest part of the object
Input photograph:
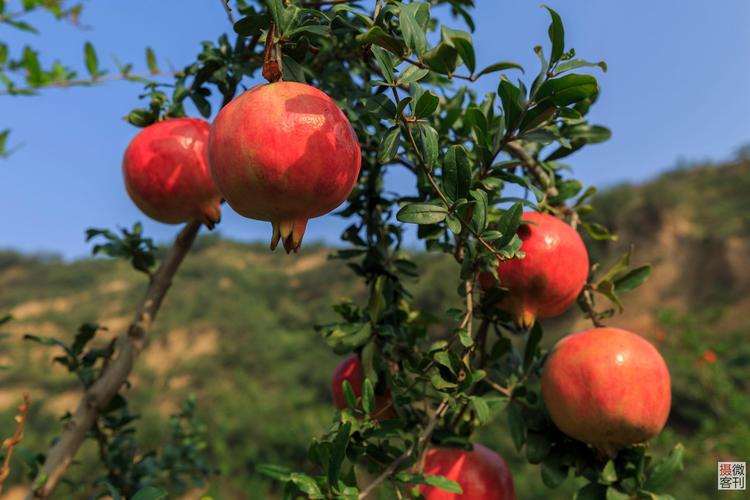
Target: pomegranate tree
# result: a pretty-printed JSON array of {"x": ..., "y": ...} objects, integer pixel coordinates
[
  {"x": 481, "y": 473},
  {"x": 285, "y": 153},
  {"x": 166, "y": 172},
  {"x": 551, "y": 274},
  {"x": 607, "y": 387}
]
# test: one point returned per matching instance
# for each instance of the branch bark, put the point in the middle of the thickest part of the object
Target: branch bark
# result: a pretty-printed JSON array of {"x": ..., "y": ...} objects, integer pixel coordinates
[
  {"x": 98, "y": 396},
  {"x": 530, "y": 164}
]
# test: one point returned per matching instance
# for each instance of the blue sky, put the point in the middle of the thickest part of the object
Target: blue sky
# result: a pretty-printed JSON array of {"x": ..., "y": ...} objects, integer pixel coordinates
[{"x": 676, "y": 89}]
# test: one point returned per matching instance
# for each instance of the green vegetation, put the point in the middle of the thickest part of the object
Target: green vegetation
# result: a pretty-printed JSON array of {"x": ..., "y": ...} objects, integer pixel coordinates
[{"x": 236, "y": 331}]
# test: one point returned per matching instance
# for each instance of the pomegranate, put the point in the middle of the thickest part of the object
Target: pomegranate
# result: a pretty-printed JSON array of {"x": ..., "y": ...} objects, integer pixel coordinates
[
  {"x": 284, "y": 152},
  {"x": 167, "y": 175},
  {"x": 551, "y": 275},
  {"x": 351, "y": 370},
  {"x": 481, "y": 473},
  {"x": 607, "y": 387}
]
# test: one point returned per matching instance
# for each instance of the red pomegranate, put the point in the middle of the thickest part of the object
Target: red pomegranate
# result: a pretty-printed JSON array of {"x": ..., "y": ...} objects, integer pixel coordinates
[
  {"x": 551, "y": 275},
  {"x": 167, "y": 175},
  {"x": 284, "y": 152},
  {"x": 481, "y": 473},
  {"x": 607, "y": 387},
  {"x": 351, "y": 369}
]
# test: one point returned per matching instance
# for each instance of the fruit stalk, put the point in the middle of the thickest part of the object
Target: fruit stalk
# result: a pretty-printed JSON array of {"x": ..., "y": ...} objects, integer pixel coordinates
[{"x": 129, "y": 345}]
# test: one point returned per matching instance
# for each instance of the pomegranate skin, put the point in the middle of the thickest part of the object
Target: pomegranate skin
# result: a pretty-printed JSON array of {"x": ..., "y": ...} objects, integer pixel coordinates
[
  {"x": 482, "y": 474},
  {"x": 284, "y": 152},
  {"x": 166, "y": 172},
  {"x": 350, "y": 369},
  {"x": 551, "y": 275},
  {"x": 607, "y": 387}
]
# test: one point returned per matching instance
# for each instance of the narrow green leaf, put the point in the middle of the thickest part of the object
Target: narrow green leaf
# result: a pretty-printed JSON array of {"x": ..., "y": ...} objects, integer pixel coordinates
[
  {"x": 378, "y": 36},
  {"x": 456, "y": 174},
  {"x": 412, "y": 74},
  {"x": 338, "y": 452},
  {"x": 92, "y": 62},
  {"x": 556, "y": 36},
  {"x": 384, "y": 62},
  {"x": 516, "y": 426},
  {"x": 351, "y": 398},
  {"x": 150, "y": 493},
  {"x": 609, "y": 473},
  {"x": 368, "y": 397},
  {"x": 510, "y": 95},
  {"x": 633, "y": 279},
  {"x": 492, "y": 68},
  {"x": 443, "y": 483},
  {"x": 532, "y": 344},
  {"x": 466, "y": 52},
  {"x": 422, "y": 213},
  {"x": 414, "y": 35},
  {"x": 426, "y": 138},
  {"x": 508, "y": 224},
  {"x": 579, "y": 63},
  {"x": 151, "y": 61},
  {"x": 389, "y": 147},
  {"x": 306, "y": 484}
]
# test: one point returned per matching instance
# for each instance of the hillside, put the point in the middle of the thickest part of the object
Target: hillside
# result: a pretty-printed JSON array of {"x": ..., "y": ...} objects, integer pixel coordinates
[{"x": 236, "y": 331}]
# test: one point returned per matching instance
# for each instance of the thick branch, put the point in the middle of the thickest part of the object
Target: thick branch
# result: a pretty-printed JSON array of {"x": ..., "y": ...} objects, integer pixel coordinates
[
  {"x": 530, "y": 164},
  {"x": 100, "y": 393}
]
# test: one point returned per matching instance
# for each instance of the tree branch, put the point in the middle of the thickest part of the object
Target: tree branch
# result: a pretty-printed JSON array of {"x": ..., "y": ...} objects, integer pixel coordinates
[
  {"x": 100, "y": 393},
  {"x": 418, "y": 445},
  {"x": 529, "y": 163},
  {"x": 228, "y": 10},
  {"x": 10, "y": 443}
]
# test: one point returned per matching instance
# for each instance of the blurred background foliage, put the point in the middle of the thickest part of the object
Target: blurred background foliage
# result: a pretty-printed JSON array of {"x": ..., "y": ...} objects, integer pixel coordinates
[{"x": 236, "y": 334}]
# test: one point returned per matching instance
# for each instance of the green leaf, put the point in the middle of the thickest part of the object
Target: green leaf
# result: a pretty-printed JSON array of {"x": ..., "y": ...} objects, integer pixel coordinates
[
  {"x": 381, "y": 105},
  {"x": 510, "y": 95},
  {"x": 492, "y": 68},
  {"x": 556, "y": 34},
  {"x": 368, "y": 397},
  {"x": 151, "y": 61},
  {"x": 441, "y": 384},
  {"x": 376, "y": 305},
  {"x": 443, "y": 483},
  {"x": 426, "y": 105},
  {"x": 384, "y": 62},
  {"x": 480, "y": 207},
  {"x": 456, "y": 174},
  {"x": 204, "y": 107},
  {"x": 251, "y": 25},
  {"x": 466, "y": 52},
  {"x": 378, "y": 36},
  {"x": 508, "y": 224},
  {"x": 338, "y": 451},
  {"x": 422, "y": 213},
  {"x": 414, "y": 35},
  {"x": 568, "y": 89},
  {"x": 538, "y": 446},
  {"x": 427, "y": 142},
  {"x": 141, "y": 117},
  {"x": 516, "y": 426},
  {"x": 614, "y": 494},
  {"x": 597, "y": 231},
  {"x": 306, "y": 484},
  {"x": 661, "y": 472},
  {"x": 150, "y": 493},
  {"x": 277, "y": 472},
  {"x": 535, "y": 336},
  {"x": 553, "y": 474},
  {"x": 464, "y": 337},
  {"x": 633, "y": 279},
  {"x": 481, "y": 409},
  {"x": 442, "y": 58},
  {"x": 609, "y": 473},
  {"x": 578, "y": 63},
  {"x": 92, "y": 62},
  {"x": 351, "y": 398},
  {"x": 412, "y": 74},
  {"x": 293, "y": 71},
  {"x": 276, "y": 8},
  {"x": 389, "y": 147}
]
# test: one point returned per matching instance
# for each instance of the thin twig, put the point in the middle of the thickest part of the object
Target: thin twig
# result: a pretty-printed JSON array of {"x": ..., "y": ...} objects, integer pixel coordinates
[
  {"x": 320, "y": 3},
  {"x": 530, "y": 164},
  {"x": 228, "y": 10},
  {"x": 83, "y": 82},
  {"x": 10, "y": 443},
  {"x": 587, "y": 304},
  {"x": 100, "y": 393},
  {"x": 417, "y": 446}
]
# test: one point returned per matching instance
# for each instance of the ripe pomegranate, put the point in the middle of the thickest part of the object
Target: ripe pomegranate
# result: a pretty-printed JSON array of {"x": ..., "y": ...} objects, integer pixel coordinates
[
  {"x": 482, "y": 474},
  {"x": 167, "y": 175},
  {"x": 284, "y": 152},
  {"x": 551, "y": 275},
  {"x": 607, "y": 387},
  {"x": 351, "y": 369}
]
